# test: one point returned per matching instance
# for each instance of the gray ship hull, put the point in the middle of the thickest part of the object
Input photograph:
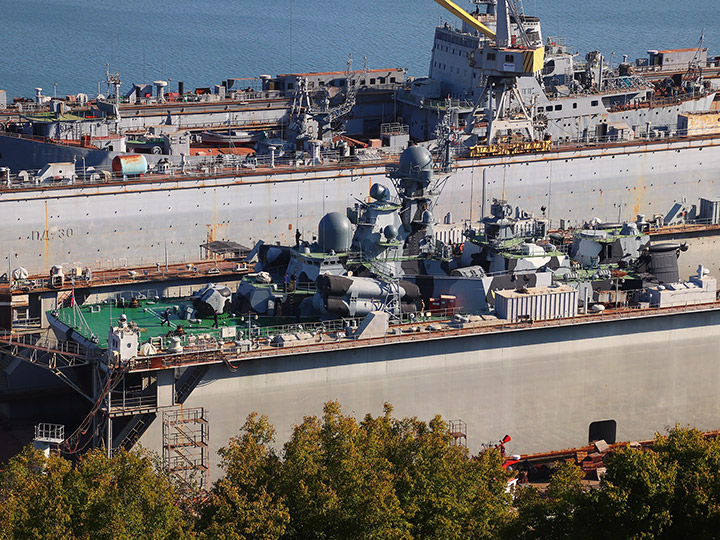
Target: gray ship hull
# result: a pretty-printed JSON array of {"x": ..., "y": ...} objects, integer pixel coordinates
[
  {"x": 542, "y": 385},
  {"x": 148, "y": 221}
]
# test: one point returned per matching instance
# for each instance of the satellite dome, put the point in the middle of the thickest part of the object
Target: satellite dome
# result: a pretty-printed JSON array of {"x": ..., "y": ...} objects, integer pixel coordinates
[
  {"x": 334, "y": 232},
  {"x": 416, "y": 163},
  {"x": 379, "y": 192},
  {"x": 390, "y": 232},
  {"x": 427, "y": 217}
]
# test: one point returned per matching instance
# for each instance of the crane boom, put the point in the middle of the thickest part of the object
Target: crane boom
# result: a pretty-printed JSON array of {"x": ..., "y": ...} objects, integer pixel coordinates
[{"x": 456, "y": 10}]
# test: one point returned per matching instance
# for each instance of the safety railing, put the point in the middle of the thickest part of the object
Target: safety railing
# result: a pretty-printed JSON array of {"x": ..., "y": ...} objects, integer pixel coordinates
[{"x": 419, "y": 328}]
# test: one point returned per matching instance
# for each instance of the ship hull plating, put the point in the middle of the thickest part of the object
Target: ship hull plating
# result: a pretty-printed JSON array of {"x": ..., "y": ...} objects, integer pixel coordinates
[
  {"x": 146, "y": 221},
  {"x": 543, "y": 386}
]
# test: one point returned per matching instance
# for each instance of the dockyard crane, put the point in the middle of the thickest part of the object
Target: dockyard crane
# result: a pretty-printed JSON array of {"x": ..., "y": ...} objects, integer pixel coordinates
[{"x": 504, "y": 58}]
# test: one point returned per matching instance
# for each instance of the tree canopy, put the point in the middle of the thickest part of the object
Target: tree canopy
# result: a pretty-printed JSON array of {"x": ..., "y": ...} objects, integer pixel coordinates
[
  {"x": 125, "y": 496},
  {"x": 376, "y": 478}
]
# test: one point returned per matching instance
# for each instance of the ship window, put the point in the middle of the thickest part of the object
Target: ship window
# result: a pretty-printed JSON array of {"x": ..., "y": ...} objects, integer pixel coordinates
[
  {"x": 509, "y": 58},
  {"x": 491, "y": 56},
  {"x": 594, "y": 103},
  {"x": 392, "y": 79},
  {"x": 605, "y": 430},
  {"x": 372, "y": 81},
  {"x": 362, "y": 82},
  {"x": 311, "y": 84},
  {"x": 558, "y": 107},
  {"x": 548, "y": 108},
  {"x": 574, "y": 105},
  {"x": 381, "y": 80},
  {"x": 290, "y": 86}
]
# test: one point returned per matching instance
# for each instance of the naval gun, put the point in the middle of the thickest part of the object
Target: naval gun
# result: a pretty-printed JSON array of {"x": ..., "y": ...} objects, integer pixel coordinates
[{"x": 504, "y": 57}]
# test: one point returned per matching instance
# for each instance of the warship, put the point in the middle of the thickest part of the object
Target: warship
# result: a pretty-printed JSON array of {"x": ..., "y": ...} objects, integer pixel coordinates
[
  {"x": 523, "y": 121},
  {"x": 519, "y": 331}
]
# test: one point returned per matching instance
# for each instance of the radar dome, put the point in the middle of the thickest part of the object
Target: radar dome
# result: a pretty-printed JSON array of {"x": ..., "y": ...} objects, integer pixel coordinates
[
  {"x": 379, "y": 192},
  {"x": 427, "y": 217},
  {"x": 416, "y": 163},
  {"x": 334, "y": 232},
  {"x": 390, "y": 232}
]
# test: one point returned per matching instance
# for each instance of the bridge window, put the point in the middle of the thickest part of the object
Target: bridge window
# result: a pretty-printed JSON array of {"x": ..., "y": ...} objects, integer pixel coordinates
[
  {"x": 509, "y": 58},
  {"x": 558, "y": 107},
  {"x": 594, "y": 103},
  {"x": 491, "y": 56}
]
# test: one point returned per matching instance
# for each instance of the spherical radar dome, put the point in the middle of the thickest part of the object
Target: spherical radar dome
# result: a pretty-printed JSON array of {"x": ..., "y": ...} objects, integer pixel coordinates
[
  {"x": 414, "y": 161},
  {"x": 334, "y": 232},
  {"x": 391, "y": 232},
  {"x": 379, "y": 192}
]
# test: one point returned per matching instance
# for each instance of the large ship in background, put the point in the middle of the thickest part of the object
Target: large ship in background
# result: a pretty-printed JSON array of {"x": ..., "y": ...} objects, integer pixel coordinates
[
  {"x": 554, "y": 339},
  {"x": 514, "y": 112}
]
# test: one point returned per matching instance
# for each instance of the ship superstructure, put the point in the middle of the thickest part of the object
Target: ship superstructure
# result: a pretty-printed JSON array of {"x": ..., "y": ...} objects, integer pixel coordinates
[
  {"x": 85, "y": 214},
  {"x": 553, "y": 95}
]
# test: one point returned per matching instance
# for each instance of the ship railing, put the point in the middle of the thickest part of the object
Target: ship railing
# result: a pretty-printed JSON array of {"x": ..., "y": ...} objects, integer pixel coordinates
[
  {"x": 27, "y": 323},
  {"x": 637, "y": 132},
  {"x": 123, "y": 401},
  {"x": 47, "y": 345},
  {"x": 432, "y": 103},
  {"x": 434, "y": 324},
  {"x": 394, "y": 128},
  {"x": 202, "y": 166}
]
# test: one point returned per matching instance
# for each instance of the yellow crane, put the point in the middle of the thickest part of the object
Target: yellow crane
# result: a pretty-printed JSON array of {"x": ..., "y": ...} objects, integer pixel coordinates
[
  {"x": 503, "y": 62},
  {"x": 463, "y": 15}
]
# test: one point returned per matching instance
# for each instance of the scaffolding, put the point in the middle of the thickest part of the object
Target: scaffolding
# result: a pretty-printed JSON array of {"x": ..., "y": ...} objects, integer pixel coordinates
[
  {"x": 458, "y": 430},
  {"x": 185, "y": 447}
]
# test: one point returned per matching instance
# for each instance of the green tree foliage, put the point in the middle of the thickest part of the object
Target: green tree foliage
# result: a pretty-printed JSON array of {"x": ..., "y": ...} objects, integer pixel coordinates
[
  {"x": 557, "y": 514},
  {"x": 668, "y": 492},
  {"x": 242, "y": 504},
  {"x": 120, "y": 497},
  {"x": 695, "y": 501},
  {"x": 634, "y": 496},
  {"x": 35, "y": 499},
  {"x": 381, "y": 478}
]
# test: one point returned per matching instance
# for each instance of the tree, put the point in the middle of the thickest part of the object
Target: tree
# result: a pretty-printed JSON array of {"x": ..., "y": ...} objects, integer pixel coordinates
[
  {"x": 557, "y": 514},
  {"x": 35, "y": 501},
  {"x": 634, "y": 497},
  {"x": 695, "y": 501},
  {"x": 338, "y": 482},
  {"x": 388, "y": 478},
  {"x": 125, "y": 496},
  {"x": 242, "y": 504}
]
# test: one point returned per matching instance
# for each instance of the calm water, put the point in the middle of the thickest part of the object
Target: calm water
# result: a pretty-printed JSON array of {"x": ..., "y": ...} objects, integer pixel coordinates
[{"x": 68, "y": 42}]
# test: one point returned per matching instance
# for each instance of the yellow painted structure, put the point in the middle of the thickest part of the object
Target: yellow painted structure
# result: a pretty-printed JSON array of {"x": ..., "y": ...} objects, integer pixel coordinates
[
  {"x": 459, "y": 12},
  {"x": 699, "y": 123},
  {"x": 508, "y": 149}
]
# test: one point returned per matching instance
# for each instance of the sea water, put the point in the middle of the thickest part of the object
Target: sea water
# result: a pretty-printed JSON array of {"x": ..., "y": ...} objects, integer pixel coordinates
[{"x": 63, "y": 46}]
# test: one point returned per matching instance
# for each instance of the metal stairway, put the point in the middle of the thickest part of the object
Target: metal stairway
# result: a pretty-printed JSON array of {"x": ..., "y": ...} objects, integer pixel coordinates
[
  {"x": 134, "y": 429},
  {"x": 189, "y": 380}
]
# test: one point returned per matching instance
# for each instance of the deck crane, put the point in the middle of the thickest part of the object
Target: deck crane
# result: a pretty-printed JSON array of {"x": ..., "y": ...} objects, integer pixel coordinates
[{"x": 504, "y": 58}]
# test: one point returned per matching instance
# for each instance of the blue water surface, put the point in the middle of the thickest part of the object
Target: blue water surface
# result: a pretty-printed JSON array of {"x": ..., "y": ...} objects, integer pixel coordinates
[{"x": 69, "y": 42}]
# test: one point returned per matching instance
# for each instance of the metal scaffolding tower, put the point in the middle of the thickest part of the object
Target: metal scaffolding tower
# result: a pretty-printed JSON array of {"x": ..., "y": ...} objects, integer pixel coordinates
[{"x": 185, "y": 446}]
